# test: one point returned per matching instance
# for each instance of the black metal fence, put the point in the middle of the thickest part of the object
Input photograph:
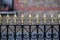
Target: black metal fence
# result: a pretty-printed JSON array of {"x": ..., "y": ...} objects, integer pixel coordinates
[
  {"x": 43, "y": 34},
  {"x": 30, "y": 31}
]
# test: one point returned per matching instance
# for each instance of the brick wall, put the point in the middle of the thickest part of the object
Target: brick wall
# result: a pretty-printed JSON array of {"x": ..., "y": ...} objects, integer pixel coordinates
[{"x": 35, "y": 5}]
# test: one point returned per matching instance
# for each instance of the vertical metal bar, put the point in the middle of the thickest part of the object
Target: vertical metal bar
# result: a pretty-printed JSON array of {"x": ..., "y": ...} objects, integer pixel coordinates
[
  {"x": 29, "y": 32},
  {"x": 44, "y": 32},
  {"x": 37, "y": 31},
  {"x": 52, "y": 22},
  {"x": 14, "y": 32},
  {"x": 7, "y": 31},
  {"x": 0, "y": 32},
  {"x": 52, "y": 32},
  {"x": 22, "y": 31},
  {"x": 59, "y": 32},
  {"x": 44, "y": 21}
]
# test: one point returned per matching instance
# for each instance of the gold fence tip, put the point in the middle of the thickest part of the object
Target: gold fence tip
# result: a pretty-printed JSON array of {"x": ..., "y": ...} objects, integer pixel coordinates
[
  {"x": 29, "y": 15},
  {"x": 59, "y": 16},
  {"x": 52, "y": 19},
  {"x": 22, "y": 18},
  {"x": 44, "y": 15},
  {"x": 7, "y": 15},
  {"x": 52, "y": 15},
  {"x": 0, "y": 15},
  {"x": 15, "y": 15},
  {"x": 37, "y": 15},
  {"x": 44, "y": 18},
  {"x": 15, "y": 18},
  {"x": 37, "y": 18},
  {"x": 22, "y": 15}
]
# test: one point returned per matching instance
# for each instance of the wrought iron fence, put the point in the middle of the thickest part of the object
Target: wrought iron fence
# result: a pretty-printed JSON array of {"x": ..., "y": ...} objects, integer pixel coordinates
[{"x": 30, "y": 31}]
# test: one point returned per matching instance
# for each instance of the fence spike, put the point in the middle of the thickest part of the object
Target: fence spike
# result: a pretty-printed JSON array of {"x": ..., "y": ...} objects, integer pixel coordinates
[
  {"x": 30, "y": 17},
  {"x": 22, "y": 18},
  {"x": 7, "y": 18},
  {"x": 15, "y": 18},
  {"x": 52, "y": 19},
  {"x": 37, "y": 18},
  {"x": 59, "y": 18},
  {"x": 44, "y": 19}
]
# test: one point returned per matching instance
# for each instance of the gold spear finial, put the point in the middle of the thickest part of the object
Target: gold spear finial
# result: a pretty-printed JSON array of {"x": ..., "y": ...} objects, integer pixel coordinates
[
  {"x": 0, "y": 18},
  {"x": 15, "y": 18},
  {"x": 59, "y": 18},
  {"x": 22, "y": 18},
  {"x": 37, "y": 18},
  {"x": 44, "y": 19},
  {"x": 30, "y": 17},
  {"x": 7, "y": 18},
  {"x": 52, "y": 18}
]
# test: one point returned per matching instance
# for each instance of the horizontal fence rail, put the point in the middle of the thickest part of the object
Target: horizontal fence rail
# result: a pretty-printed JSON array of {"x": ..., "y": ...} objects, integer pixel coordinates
[{"x": 30, "y": 31}]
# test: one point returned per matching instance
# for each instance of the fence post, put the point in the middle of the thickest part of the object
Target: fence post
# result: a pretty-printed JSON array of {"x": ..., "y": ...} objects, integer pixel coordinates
[
  {"x": 7, "y": 26},
  {"x": 44, "y": 22},
  {"x": 15, "y": 18},
  {"x": 30, "y": 18},
  {"x": 37, "y": 21},
  {"x": 22, "y": 21},
  {"x": 52, "y": 21}
]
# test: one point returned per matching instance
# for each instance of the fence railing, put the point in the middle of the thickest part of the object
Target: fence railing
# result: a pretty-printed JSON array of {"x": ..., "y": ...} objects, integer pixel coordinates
[{"x": 30, "y": 31}]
